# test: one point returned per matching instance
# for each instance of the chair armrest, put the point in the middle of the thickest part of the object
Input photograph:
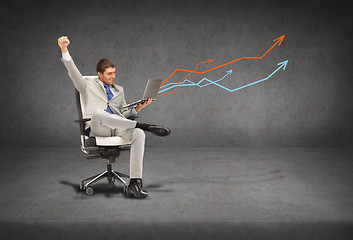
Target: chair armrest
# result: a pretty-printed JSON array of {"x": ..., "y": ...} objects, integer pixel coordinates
[
  {"x": 132, "y": 117},
  {"x": 83, "y": 120},
  {"x": 82, "y": 124}
]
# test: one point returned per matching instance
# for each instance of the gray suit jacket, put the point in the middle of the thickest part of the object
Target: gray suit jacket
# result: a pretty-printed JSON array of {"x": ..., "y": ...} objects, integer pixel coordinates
[{"x": 93, "y": 94}]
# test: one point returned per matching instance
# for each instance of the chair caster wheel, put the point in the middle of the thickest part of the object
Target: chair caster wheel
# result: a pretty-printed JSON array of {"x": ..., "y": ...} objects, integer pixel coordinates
[
  {"x": 81, "y": 186},
  {"x": 125, "y": 189},
  {"x": 89, "y": 191}
]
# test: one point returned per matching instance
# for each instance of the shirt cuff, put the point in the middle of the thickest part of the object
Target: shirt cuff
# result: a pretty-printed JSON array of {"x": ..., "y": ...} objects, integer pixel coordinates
[
  {"x": 66, "y": 56},
  {"x": 133, "y": 111}
]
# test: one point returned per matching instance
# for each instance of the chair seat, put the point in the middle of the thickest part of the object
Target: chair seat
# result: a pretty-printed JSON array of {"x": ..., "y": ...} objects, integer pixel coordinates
[
  {"x": 111, "y": 141},
  {"x": 105, "y": 141}
]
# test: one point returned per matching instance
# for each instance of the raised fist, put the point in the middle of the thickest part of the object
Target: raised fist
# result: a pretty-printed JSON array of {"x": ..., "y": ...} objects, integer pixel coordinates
[{"x": 63, "y": 42}]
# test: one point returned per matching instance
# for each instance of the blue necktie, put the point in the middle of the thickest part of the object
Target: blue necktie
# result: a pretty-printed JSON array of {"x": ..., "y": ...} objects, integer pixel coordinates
[{"x": 110, "y": 96}]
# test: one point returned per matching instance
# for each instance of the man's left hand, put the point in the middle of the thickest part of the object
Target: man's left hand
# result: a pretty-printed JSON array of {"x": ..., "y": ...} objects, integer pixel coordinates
[{"x": 142, "y": 105}]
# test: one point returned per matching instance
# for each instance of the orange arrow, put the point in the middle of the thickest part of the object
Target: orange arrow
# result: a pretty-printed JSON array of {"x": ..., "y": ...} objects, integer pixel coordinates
[
  {"x": 208, "y": 61},
  {"x": 278, "y": 41}
]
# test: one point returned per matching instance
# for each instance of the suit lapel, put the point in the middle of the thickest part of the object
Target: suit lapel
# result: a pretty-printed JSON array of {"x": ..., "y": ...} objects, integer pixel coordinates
[
  {"x": 117, "y": 90},
  {"x": 102, "y": 93},
  {"x": 100, "y": 85}
]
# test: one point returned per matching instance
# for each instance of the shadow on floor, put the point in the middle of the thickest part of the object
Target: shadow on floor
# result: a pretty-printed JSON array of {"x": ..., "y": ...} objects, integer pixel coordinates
[
  {"x": 99, "y": 189},
  {"x": 155, "y": 187},
  {"x": 102, "y": 189}
]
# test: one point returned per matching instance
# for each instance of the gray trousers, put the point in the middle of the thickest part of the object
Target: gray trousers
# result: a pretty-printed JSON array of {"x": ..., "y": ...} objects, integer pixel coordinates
[{"x": 104, "y": 124}]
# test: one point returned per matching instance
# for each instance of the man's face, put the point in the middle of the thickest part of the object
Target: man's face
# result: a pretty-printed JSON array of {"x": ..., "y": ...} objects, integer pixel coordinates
[{"x": 108, "y": 76}]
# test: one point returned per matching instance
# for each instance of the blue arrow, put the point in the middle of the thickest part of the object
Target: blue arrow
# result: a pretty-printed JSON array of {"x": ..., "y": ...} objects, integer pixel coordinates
[{"x": 184, "y": 84}]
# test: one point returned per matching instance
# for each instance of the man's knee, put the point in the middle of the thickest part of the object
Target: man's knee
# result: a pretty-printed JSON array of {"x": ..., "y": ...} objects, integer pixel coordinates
[{"x": 138, "y": 134}]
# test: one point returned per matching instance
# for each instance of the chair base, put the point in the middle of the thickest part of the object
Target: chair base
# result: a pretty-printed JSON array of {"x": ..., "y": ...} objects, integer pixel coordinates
[{"x": 111, "y": 176}]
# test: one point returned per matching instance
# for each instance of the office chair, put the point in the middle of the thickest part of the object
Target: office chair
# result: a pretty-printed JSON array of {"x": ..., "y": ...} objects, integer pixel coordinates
[{"x": 107, "y": 148}]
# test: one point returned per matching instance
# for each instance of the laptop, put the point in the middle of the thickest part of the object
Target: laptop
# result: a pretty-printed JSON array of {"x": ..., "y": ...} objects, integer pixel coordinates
[{"x": 151, "y": 91}]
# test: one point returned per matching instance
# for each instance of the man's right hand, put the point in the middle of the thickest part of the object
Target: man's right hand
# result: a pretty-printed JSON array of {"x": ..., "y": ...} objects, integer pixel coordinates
[{"x": 63, "y": 42}]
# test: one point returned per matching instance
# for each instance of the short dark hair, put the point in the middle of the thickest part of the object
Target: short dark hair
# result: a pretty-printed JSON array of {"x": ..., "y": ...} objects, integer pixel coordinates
[{"x": 103, "y": 64}]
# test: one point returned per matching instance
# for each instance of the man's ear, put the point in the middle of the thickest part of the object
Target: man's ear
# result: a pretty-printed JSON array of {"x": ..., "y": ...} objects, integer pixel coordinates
[{"x": 100, "y": 75}]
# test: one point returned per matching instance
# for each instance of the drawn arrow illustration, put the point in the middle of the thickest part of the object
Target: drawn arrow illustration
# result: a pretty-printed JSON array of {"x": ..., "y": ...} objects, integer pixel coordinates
[
  {"x": 278, "y": 41},
  {"x": 187, "y": 82},
  {"x": 184, "y": 84},
  {"x": 208, "y": 61}
]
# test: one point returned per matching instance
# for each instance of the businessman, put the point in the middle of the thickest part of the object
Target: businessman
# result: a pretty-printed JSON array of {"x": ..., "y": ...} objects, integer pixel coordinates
[{"x": 104, "y": 101}]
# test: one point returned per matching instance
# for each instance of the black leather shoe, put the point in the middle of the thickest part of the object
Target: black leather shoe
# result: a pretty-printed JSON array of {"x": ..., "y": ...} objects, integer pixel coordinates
[
  {"x": 159, "y": 130},
  {"x": 134, "y": 190}
]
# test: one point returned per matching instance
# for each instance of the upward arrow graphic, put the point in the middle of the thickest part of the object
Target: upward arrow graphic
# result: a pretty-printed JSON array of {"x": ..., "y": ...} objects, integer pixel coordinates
[
  {"x": 208, "y": 61},
  {"x": 278, "y": 41},
  {"x": 188, "y": 83}
]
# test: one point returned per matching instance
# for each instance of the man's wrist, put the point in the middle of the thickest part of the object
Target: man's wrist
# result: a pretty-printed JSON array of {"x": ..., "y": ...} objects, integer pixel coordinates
[
  {"x": 134, "y": 111},
  {"x": 66, "y": 56},
  {"x": 64, "y": 50}
]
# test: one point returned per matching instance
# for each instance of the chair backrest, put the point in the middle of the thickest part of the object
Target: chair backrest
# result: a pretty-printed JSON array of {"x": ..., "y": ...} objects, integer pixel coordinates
[
  {"x": 79, "y": 111},
  {"x": 81, "y": 107}
]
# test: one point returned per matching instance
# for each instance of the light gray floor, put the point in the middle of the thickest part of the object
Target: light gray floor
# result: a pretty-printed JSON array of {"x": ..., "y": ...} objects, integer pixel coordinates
[{"x": 204, "y": 185}]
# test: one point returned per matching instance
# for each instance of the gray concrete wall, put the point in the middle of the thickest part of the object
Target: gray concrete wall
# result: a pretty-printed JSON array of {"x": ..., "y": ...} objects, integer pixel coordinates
[{"x": 308, "y": 104}]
